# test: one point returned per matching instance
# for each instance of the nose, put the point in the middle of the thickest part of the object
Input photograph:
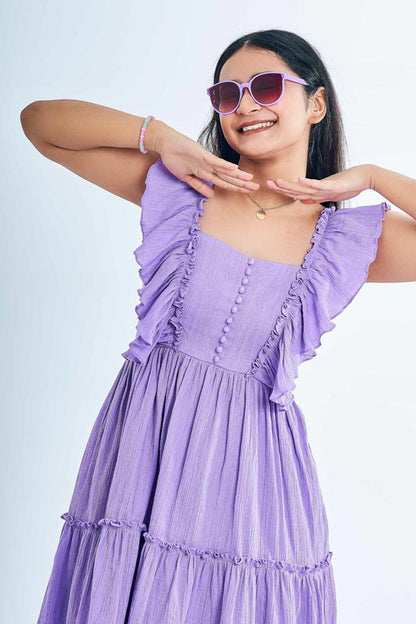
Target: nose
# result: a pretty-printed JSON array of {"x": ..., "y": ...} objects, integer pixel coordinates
[{"x": 247, "y": 101}]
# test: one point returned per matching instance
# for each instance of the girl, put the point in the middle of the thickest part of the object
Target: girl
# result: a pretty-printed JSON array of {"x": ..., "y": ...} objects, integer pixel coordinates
[{"x": 198, "y": 499}]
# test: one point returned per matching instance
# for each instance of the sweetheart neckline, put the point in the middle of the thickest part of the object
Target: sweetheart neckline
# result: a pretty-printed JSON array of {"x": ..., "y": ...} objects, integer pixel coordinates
[
  {"x": 240, "y": 253},
  {"x": 273, "y": 262}
]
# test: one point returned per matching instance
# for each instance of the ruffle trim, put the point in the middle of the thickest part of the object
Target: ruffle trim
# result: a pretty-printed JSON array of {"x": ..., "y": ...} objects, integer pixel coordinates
[
  {"x": 166, "y": 257},
  {"x": 176, "y": 319},
  {"x": 268, "y": 362},
  {"x": 199, "y": 552},
  {"x": 293, "y": 290},
  {"x": 334, "y": 270},
  {"x": 87, "y": 524}
]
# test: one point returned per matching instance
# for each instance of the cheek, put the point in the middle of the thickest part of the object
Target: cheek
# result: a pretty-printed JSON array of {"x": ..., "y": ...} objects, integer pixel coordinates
[
  {"x": 292, "y": 123},
  {"x": 226, "y": 128},
  {"x": 225, "y": 125}
]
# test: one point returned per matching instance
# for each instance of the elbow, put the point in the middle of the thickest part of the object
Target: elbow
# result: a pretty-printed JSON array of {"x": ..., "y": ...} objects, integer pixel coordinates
[
  {"x": 29, "y": 111},
  {"x": 26, "y": 116}
]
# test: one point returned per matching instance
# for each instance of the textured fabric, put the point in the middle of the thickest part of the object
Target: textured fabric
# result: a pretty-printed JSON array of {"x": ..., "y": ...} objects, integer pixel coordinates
[{"x": 198, "y": 500}]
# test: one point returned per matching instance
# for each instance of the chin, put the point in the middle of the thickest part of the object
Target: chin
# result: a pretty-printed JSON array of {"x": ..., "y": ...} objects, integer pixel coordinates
[{"x": 256, "y": 154}]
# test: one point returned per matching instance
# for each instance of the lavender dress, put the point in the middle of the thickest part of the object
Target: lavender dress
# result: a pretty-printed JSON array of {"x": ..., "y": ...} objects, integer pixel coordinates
[{"x": 197, "y": 500}]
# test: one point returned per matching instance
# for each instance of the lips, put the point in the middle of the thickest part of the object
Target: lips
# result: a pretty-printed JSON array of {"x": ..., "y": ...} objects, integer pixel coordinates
[{"x": 253, "y": 123}]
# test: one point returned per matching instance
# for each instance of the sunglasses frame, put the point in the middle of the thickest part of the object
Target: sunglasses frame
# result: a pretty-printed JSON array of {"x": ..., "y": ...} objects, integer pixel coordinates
[{"x": 242, "y": 85}]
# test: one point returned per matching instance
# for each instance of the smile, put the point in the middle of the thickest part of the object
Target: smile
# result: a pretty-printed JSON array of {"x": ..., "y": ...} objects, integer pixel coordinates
[{"x": 257, "y": 127}]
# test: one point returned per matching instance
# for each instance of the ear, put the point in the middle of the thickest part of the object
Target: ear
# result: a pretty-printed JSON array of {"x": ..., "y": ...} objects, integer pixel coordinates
[{"x": 317, "y": 106}]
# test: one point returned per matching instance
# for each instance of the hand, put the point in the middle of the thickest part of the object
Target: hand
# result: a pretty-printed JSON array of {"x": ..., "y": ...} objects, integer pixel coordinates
[
  {"x": 190, "y": 162},
  {"x": 337, "y": 187}
]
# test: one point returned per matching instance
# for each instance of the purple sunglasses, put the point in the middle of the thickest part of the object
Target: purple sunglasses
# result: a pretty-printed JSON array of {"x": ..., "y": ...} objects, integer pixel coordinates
[{"x": 266, "y": 89}]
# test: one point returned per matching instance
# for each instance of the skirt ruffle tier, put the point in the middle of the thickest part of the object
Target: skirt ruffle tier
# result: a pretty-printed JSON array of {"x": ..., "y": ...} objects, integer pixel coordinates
[{"x": 197, "y": 501}]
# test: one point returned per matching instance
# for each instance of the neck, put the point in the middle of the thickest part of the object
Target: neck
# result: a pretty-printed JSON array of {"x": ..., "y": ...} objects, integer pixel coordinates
[
  {"x": 289, "y": 203},
  {"x": 280, "y": 166}
]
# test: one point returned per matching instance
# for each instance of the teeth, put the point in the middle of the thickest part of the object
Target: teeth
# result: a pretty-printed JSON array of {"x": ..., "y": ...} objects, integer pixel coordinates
[{"x": 259, "y": 125}]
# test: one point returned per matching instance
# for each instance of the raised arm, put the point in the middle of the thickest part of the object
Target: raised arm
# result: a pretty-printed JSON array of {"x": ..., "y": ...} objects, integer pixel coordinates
[{"x": 100, "y": 144}]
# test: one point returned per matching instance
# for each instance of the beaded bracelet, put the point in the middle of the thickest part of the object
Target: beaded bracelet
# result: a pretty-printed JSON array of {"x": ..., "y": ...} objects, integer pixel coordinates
[{"x": 141, "y": 138}]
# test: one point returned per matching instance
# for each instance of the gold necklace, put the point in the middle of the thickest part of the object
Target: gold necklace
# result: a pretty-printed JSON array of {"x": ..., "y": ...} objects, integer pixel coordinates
[{"x": 261, "y": 214}]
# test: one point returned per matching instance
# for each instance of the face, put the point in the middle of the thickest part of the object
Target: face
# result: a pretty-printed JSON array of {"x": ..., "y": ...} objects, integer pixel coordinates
[{"x": 293, "y": 113}]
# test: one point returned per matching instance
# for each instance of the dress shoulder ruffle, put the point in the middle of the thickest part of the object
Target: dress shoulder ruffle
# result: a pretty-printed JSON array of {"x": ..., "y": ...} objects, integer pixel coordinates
[
  {"x": 335, "y": 269},
  {"x": 166, "y": 258}
]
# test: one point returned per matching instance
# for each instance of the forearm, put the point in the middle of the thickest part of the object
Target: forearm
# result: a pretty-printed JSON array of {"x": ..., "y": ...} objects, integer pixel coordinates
[
  {"x": 79, "y": 125},
  {"x": 397, "y": 188}
]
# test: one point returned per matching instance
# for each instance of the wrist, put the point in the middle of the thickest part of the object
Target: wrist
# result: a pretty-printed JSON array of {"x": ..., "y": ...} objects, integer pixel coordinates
[
  {"x": 153, "y": 136},
  {"x": 371, "y": 176}
]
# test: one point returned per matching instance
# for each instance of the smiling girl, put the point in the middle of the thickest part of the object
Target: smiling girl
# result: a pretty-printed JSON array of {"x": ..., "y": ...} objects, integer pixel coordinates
[{"x": 198, "y": 498}]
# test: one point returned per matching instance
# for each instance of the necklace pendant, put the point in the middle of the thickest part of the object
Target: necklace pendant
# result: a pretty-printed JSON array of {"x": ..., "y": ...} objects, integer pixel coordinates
[{"x": 260, "y": 214}]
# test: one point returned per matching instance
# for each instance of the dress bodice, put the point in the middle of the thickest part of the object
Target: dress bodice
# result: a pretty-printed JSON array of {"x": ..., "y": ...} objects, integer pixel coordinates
[{"x": 255, "y": 317}]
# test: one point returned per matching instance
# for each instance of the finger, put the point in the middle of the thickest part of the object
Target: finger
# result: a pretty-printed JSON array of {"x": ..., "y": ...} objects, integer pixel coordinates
[
  {"x": 242, "y": 187},
  {"x": 292, "y": 191},
  {"x": 307, "y": 201},
  {"x": 237, "y": 174},
  {"x": 309, "y": 181},
  {"x": 230, "y": 168},
  {"x": 307, "y": 195},
  {"x": 296, "y": 185},
  {"x": 225, "y": 164},
  {"x": 231, "y": 182},
  {"x": 199, "y": 186},
  {"x": 220, "y": 163},
  {"x": 300, "y": 193},
  {"x": 206, "y": 190}
]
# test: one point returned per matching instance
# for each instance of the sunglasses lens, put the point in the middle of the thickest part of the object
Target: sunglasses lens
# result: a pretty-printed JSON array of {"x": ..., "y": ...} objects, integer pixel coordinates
[
  {"x": 224, "y": 97},
  {"x": 267, "y": 88}
]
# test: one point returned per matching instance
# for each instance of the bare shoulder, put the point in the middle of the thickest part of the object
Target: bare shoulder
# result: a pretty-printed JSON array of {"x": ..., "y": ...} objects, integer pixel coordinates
[{"x": 396, "y": 253}]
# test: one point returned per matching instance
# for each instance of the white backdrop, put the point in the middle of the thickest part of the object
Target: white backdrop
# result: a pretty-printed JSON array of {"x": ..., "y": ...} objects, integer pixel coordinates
[{"x": 70, "y": 280}]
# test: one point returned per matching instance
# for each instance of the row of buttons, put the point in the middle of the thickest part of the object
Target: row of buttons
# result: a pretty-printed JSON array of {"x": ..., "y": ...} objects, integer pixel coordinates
[{"x": 244, "y": 281}]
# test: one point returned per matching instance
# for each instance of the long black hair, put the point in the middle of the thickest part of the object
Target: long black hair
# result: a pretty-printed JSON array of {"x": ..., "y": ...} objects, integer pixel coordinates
[{"x": 327, "y": 143}]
